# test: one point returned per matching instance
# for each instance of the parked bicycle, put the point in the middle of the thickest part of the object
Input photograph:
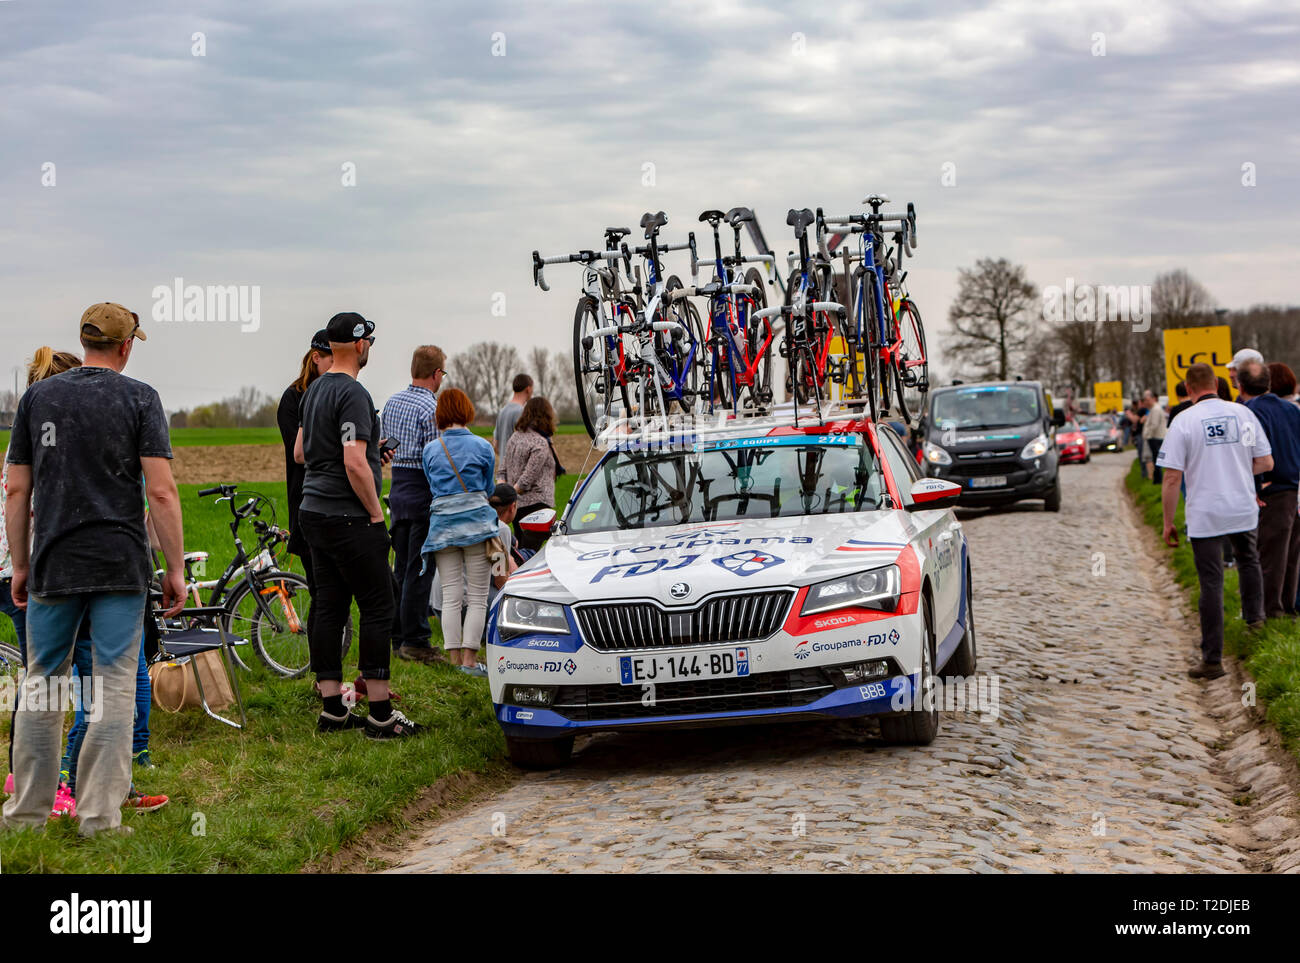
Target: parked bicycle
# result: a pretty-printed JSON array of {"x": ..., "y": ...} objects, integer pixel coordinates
[
  {"x": 811, "y": 317},
  {"x": 263, "y": 603},
  {"x": 739, "y": 360},
  {"x": 885, "y": 340},
  {"x": 637, "y": 344}
]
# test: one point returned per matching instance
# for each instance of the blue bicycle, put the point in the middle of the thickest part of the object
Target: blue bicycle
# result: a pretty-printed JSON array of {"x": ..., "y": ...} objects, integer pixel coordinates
[{"x": 885, "y": 340}]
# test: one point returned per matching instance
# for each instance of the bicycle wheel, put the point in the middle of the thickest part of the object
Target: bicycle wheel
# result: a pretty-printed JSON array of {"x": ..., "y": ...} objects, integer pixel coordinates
[
  {"x": 278, "y": 633},
  {"x": 756, "y": 332},
  {"x": 807, "y": 388},
  {"x": 11, "y": 665},
  {"x": 593, "y": 369},
  {"x": 684, "y": 356},
  {"x": 912, "y": 373}
]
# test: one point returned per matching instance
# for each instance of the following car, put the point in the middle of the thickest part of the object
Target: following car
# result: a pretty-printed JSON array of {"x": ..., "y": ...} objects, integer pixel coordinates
[{"x": 754, "y": 573}]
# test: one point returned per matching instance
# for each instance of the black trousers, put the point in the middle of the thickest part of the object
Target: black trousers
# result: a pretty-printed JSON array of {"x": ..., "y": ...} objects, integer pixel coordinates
[
  {"x": 411, "y": 624},
  {"x": 1279, "y": 552},
  {"x": 1208, "y": 555},
  {"x": 1157, "y": 473},
  {"x": 349, "y": 558}
]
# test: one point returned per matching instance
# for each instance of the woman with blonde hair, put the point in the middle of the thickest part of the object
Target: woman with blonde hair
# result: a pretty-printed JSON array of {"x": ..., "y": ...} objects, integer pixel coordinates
[{"x": 45, "y": 363}]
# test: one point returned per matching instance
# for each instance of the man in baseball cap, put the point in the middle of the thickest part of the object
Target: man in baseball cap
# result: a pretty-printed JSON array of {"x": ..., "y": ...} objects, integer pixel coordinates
[
  {"x": 85, "y": 556},
  {"x": 1239, "y": 359},
  {"x": 109, "y": 323}
]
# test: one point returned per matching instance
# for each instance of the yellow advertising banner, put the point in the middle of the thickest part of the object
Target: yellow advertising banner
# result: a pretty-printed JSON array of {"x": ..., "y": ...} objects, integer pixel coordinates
[
  {"x": 1185, "y": 347},
  {"x": 1108, "y": 396}
]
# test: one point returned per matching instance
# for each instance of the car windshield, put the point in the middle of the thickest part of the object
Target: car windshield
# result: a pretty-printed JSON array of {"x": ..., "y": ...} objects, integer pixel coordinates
[
  {"x": 985, "y": 406},
  {"x": 1094, "y": 423},
  {"x": 735, "y": 479}
]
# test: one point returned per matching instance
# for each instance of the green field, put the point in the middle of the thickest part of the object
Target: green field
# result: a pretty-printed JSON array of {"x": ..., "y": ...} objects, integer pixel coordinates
[
  {"x": 185, "y": 437},
  {"x": 1272, "y": 656},
  {"x": 277, "y": 796}
]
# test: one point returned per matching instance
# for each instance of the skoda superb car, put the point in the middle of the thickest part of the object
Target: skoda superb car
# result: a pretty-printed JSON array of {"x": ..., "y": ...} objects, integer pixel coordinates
[{"x": 800, "y": 573}]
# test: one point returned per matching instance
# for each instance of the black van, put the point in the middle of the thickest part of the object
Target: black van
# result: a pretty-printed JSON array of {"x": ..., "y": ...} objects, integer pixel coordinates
[{"x": 996, "y": 439}]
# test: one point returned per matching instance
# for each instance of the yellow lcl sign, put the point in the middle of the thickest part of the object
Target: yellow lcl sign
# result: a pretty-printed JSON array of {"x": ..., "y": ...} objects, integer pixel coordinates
[{"x": 1185, "y": 347}]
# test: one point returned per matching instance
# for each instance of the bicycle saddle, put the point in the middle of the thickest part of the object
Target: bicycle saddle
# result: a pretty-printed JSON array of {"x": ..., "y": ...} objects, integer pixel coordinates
[
  {"x": 875, "y": 200},
  {"x": 739, "y": 215},
  {"x": 713, "y": 217},
  {"x": 800, "y": 220},
  {"x": 617, "y": 232},
  {"x": 652, "y": 223}
]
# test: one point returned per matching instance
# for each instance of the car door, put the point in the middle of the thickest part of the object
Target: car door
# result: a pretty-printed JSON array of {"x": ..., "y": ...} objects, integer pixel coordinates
[{"x": 938, "y": 536}]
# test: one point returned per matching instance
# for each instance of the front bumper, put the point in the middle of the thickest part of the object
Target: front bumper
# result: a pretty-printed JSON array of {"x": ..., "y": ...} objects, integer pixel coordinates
[
  {"x": 1025, "y": 479},
  {"x": 772, "y": 696}
]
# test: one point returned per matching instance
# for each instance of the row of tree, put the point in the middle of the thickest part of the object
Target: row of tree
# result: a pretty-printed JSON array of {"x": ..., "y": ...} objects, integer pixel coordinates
[
  {"x": 1000, "y": 325},
  {"x": 250, "y": 408}
]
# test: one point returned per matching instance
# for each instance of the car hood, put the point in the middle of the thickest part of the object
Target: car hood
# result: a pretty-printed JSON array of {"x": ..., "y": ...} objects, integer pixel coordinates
[
  {"x": 682, "y": 564},
  {"x": 987, "y": 439}
]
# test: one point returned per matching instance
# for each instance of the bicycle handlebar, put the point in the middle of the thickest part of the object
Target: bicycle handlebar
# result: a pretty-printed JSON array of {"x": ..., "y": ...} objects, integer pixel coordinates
[
  {"x": 581, "y": 257},
  {"x": 217, "y": 490}
]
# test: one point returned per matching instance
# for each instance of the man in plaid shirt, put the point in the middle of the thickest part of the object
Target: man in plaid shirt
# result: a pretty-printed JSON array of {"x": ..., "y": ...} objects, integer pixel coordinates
[{"x": 408, "y": 421}]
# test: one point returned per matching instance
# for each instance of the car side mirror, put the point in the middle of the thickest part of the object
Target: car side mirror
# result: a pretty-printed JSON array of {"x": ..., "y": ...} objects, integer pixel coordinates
[
  {"x": 541, "y": 522},
  {"x": 1058, "y": 418},
  {"x": 933, "y": 493}
]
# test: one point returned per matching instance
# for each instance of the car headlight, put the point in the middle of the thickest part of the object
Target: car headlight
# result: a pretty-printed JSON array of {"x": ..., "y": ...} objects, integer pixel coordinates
[
  {"x": 936, "y": 455},
  {"x": 874, "y": 589},
  {"x": 525, "y": 616},
  {"x": 1036, "y": 448}
]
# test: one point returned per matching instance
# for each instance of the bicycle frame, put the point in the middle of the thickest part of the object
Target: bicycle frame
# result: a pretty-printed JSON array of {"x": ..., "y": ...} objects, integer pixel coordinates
[{"x": 729, "y": 314}]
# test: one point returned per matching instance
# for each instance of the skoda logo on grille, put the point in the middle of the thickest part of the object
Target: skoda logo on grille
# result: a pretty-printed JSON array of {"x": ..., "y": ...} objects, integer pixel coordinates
[{"x": 679, "y": 590}]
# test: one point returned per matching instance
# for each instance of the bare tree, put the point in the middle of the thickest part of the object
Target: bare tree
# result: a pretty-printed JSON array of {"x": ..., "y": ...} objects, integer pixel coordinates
[
  {"x": 539, "y": 365},
  {"x": 484, "y": 372},
  {"x": 1178, "y": 300},
  {"x": 992, "y": 319}
]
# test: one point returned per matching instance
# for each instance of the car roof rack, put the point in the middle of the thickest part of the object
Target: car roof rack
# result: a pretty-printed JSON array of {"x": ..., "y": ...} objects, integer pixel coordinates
[{"x": 694, "y": 428}]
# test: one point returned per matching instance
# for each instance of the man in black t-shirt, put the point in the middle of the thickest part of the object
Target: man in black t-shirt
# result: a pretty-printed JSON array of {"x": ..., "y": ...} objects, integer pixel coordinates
[
  {"x": 343, "y": 520},
  {"x": 82, "y": 441}
]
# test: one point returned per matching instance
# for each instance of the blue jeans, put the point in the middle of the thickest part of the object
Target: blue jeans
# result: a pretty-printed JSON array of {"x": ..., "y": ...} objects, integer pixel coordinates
[
  {"x": 83, "y": 669},
  {"x": 19, "y": 618},
  {"x": 116, "y": 619}
]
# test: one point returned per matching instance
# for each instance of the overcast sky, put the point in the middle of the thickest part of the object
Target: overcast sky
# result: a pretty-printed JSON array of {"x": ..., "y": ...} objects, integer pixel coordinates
[{"x": 227, "y": 168}]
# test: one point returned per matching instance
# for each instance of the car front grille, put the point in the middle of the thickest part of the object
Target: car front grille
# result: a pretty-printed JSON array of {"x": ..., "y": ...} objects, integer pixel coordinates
[
  {"x": 766, "y": 690},
  {"x": 977, "y": 469},
  {"x": 635, "y": 626}
]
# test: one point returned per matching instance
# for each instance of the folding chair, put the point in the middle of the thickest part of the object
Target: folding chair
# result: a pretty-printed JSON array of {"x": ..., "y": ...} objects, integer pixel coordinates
[{"x": 180, "y": 642}]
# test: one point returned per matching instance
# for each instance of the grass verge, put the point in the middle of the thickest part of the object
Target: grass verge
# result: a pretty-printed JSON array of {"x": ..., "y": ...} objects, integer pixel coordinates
[
  {"x": 1272, "y": 656},
  {"x": 276, "y": 797}
]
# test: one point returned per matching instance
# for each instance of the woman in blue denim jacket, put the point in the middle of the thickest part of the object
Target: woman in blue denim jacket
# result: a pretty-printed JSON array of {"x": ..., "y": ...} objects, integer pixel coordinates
[{"x": 460, "y": 468}]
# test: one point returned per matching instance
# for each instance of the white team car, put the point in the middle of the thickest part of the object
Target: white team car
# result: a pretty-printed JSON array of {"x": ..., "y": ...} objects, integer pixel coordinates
[{"x": 724, "y": 576}]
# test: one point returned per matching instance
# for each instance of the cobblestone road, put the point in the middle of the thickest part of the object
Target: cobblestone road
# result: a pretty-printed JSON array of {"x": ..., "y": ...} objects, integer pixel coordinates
[{"x": 1104, "y": 756}]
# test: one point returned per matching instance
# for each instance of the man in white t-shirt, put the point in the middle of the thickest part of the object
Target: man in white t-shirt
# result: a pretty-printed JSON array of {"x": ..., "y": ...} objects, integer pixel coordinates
[{"x": 1218, "y": 446}]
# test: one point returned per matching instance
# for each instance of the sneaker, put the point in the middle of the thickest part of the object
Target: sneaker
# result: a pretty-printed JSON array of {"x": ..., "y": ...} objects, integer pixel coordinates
[
  {"x": 420, "y": 653},
  {"x": 64, "y": 805},
  {"x": 1208, "y": 670},
  {"x": 143, "y": 804},
  {"x": 9, "y": 784},
  {"x": 349, "y": 720},
  {"x": 478, "y": 671},
  {"x": 397, "y": 726},
  {"x": 143, "y": 761}
]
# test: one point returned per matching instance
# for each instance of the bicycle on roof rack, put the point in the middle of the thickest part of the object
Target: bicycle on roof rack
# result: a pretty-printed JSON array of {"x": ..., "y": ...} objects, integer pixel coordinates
[
  {"x": 885, "y": 340},
  {"x": 638, "y": 346},
  {"x": 262, "y": 602},
  {"x": 738, "y": 371},
  {"x": 811, "y": 316}
]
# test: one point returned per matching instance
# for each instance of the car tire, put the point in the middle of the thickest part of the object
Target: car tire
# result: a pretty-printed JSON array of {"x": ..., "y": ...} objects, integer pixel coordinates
[
  {"x": 918, "y": 727},
  {"x": 1052, "y": 503},
  {"x": 539, "y": 753},
  {"x": 962, "y": 663}
]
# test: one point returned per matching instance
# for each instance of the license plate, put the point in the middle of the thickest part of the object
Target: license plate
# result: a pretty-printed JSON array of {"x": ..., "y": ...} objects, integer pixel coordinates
[
  {"x": 989, "y": 481},
  {"x": 684, "y": 667}
]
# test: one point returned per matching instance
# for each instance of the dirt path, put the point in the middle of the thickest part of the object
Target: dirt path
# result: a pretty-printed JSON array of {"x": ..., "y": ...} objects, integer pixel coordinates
[{"x": 1103, "y": 756}]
